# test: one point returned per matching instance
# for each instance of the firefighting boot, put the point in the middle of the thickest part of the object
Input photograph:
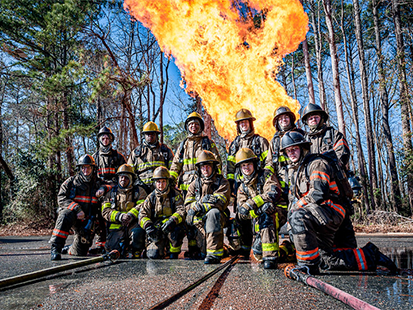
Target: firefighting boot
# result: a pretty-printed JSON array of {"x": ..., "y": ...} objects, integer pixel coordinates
[
  {"x": 270, "y": 262},
  {"x": 380, "y": 258},
  {"x": 210, "y": 259},
  {"x": 287, "y": 252},
  {"x": 56, "y": 252},
  {"x": 173, "y": 256},
  {"x": 65, "y": 249}
]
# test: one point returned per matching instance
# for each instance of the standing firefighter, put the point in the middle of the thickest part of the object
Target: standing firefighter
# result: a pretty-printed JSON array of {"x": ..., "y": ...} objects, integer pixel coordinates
[
  {"x": 257, "y": 199},
  {"x": 121, "y": 210},
  {"x": 78, "y": 208},
  {"x": 315, "y": 213},
  {"x": 183, "y": 166},
  {"x": 246, "y": 138},
  {"x": 206, "y": 203},
  {"x": 162, "y": 216},
  {"x": 107, "y": 161},
  {"x": 330, "y": 142},
  {"x": 150, "y": 155}
]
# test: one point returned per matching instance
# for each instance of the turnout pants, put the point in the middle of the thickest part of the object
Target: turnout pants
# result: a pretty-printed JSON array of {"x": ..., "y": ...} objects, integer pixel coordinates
[
  {"x": 132, "y": 236},
  {"x": 210, "y": 233},
  {"x": 170, "y": 242}
]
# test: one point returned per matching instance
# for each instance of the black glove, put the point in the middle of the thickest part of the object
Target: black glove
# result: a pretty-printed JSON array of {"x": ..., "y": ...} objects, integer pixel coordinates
[
  {"x": 268, "y": 208},
  {"x": 152, "y": 232},
  {"x": 168, "y": 226},
  {"x": 125, "y": 219},
  {"x": 190, "y": 217},
  {"x": 209, "y": 199},
  {"x": 243, "y": 210}
]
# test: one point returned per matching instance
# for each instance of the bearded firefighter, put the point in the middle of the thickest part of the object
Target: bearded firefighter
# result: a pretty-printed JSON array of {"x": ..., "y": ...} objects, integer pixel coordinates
[
  {"x": 206, "y": 203},
  {"x": 121, "y": 210},
  {"x": 162, "y": 216},
  {"x": 149, "y": 155},
  {"x": 257, "y": 199},
  {"x": 315, "y": 213},
  {"x": 78, "y": 209}
]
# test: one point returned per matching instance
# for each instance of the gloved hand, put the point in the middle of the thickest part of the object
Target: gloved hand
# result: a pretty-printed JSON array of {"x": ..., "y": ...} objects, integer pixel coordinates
[
  {"x": 152, "y": 232},
  {"x": 168, "y": 226},
  {"x": 268, "y": 208},
  {"x": 198, "y": 207},
  {"x": 209, "y": 199},
  {"x": 243, "y": 210},
  {"x": 125, "y": 219},
  {"x": 190, "y": 217},
  {"x": 267, "y": 174}
]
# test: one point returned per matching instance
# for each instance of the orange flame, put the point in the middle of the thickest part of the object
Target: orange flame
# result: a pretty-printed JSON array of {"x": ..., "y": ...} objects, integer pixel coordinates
[{"x": 228, "y": 62}]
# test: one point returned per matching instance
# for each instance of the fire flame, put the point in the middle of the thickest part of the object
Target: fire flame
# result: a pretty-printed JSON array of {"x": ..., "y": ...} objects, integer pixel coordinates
[{"x": 223, "y": 58}]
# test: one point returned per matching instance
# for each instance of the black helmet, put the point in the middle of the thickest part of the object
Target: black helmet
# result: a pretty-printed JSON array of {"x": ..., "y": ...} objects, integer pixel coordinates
[
  {"x": 292, "y": 138},
  {"x": 281, "y": 111},
  {"x": 86, "y": 160},
  {"x": 312, "y": 108},
  {"x": 106, "y": 131}
]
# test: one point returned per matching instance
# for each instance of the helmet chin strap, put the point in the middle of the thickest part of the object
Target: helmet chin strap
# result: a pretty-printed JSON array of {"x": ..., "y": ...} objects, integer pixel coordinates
[{"x": 86, "y": 178}]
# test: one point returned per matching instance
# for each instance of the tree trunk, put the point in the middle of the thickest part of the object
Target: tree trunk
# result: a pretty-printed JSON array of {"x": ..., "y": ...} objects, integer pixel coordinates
[
  {"x": 354, "y": 108},
  {"x": 384, "y": 100},
  {"x": 319, "y": 57},
  {"x": 334, "y": 66},
  {"x": 365, "y": 94},
  {"x": 293, "y": 76},
  {"x": 404, "y": 99}
]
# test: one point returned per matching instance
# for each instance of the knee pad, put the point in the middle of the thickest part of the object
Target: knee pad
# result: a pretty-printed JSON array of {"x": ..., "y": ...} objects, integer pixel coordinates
[{"x": 297, "y": 221}]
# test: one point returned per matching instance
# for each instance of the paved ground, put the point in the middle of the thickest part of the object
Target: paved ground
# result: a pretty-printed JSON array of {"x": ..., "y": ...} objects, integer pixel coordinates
[{"x": 139, "y": 284}]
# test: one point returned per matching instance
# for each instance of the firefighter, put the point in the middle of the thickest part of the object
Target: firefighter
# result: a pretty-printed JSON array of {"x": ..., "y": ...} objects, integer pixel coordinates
[
  {"x": 315, "y": 213},
  {"x": 257, "y": 199},
  {"x": 121, "y": 210},
  {"x": 183, "y": 167},
  {"x": 78, "y": 208},
  {"x": 150, "y": 155},
  {"x": 162, "y": 216},
  {"x": 325, "y": 139},
  {"x": 246, "y": 137},
  {"x": 107, "y": 161},
  {"x": 206, "y": 203}
]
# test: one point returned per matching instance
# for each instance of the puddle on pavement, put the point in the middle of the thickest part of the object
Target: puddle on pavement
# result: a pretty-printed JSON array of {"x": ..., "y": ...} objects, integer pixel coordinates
[{"x": 401, "y": 256}]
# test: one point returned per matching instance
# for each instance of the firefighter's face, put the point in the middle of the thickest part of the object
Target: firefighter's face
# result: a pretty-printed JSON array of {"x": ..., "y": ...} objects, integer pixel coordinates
[
  {"x": 206, "y": 170},
  {"x": 194, "y": 127},
  {"x": 124, "y": 181},
  {"x": 313, "y": 119},
  {"x": 247, "y": 168},
  {"x": 293, "y": 153},
  {"x": 87, "y": 170},
  {"x": 150, "y": 137},
  {"x": 244, "y": 125},
  {"x": 284, "y": 121},
  {"x": 161, "y": 184},
  {"x": 105, "y": 140}
]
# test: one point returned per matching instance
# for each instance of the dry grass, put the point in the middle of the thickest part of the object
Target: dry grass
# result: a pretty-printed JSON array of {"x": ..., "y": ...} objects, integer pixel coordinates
[{"x": 384, "y": 222}]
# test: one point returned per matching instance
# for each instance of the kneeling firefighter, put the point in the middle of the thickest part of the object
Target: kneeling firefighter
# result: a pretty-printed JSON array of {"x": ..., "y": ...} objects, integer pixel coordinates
[
  {"x": 162, "y": 216},
  {"x": 206, "y": 204},
  {"x": 257, "y": 199},
  {"x": 121, "y": 209}
]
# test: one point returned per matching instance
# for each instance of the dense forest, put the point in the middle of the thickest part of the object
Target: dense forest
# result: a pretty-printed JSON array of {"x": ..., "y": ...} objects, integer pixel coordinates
[{"x": 68, "y": 67}]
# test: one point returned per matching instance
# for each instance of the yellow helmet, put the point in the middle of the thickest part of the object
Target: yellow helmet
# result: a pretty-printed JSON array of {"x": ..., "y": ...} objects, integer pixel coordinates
[
  {"x": 125, "y": 168},
  {"x": 161, "y": 173},
  {"x": 243, "y": 155},
  {"x": 192, "y": 116},
  {"x": 206, "y": 157},
  {"x": 243, "y": 114},
  {"x": 150, "y": 127}
]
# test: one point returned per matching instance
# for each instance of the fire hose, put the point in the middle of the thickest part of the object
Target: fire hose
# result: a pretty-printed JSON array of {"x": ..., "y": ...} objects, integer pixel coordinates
[
  {"x": 297, "y": 273},
  {"x": 112, "y": 256}
]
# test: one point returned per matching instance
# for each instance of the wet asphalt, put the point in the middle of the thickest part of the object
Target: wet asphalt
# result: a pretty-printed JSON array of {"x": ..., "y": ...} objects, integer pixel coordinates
[{"x": 140, "y": 284}]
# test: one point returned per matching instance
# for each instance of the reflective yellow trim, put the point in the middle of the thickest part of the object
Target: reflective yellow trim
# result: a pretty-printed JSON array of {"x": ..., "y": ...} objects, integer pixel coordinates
[
  {"x": 282, "y": 183},
  {"x": 184, "y": 187},
  {"x": 150, "y": 164},
  {"x": 219, "y": 252},
  {"x": 258, "y": 200},
  {"x": 221, "y": 197},
  {"x": 139, "y": 202},
  {"x": 270, "y": 168},
  {"x": 282, "y": 159},
  {"x": 231, "y": 158},
  {"x": 113, "y": 216},
  {"x": 189, "y": 199},
  {"x": 230, "y": 176},
  {"x": 253, "y": 215},
  {"x": 192, "y": 243},
  {"x": 282, "y": 206},
  {"x": 178, "y": 217},
  {"x": 269, "y": 247},
  {"x": 213, "y": 145},
  {"x": 256, "y": 227},
  {"x": 134, "y": 212},
  {"x": 144, "y": 220},
  {"x": 174, "y": 249},
  {"x": 106, "y": 205},
  {"x": 207, "y": 206},
  {"x": 190, "y": 161},
  {"x": 173, "y": 174},
  {"x": 115, "y": 226},
  {"x": 197, "y": 219},
  {"x": 263, "y": 155}
]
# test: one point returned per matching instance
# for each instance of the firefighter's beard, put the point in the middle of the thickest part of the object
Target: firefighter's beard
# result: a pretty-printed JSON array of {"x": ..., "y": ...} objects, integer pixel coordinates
[{"x": 86, "y": 178}]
